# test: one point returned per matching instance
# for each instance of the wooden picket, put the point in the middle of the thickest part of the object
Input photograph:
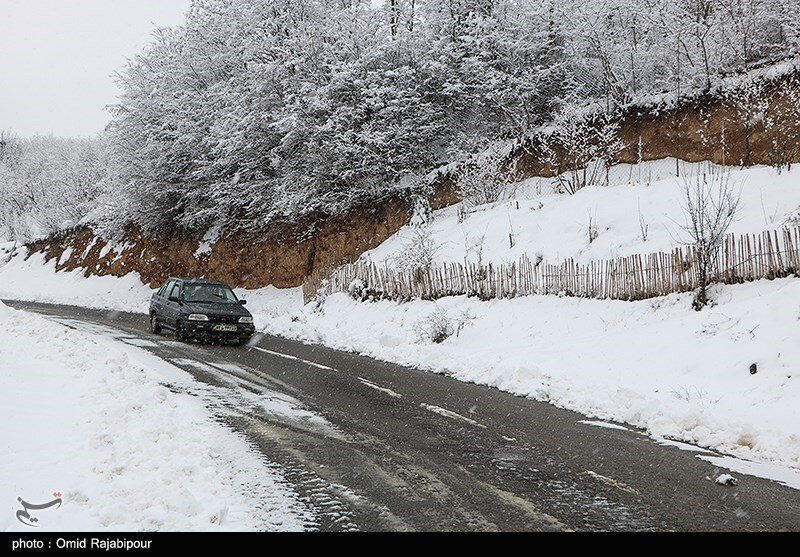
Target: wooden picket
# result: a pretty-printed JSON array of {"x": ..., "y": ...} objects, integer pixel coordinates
[{"x": 768, "y": 255}]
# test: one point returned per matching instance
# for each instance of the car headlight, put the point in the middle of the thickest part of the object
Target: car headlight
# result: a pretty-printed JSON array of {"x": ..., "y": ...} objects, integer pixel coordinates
[
  {"x": 198, "y": 317},
  {"x": 245, "y": 320}
]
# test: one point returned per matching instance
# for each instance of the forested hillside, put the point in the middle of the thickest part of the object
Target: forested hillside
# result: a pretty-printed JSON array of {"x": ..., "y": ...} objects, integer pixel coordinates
[
  {"x": 298, "y": 110},
  {"x": 259, "y": 110},
  {"x": 48, "y": 184}
]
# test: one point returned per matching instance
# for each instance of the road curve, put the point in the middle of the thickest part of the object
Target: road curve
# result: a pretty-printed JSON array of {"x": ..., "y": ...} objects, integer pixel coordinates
[{"x": 375, "y": 446}]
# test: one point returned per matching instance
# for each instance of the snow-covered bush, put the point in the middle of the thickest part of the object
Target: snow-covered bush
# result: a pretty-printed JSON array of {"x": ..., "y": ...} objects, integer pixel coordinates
[
  {"x": 487, "y": 178},
  {"x": 356, "y": 289},
  {"x": 7, "y": 250},
  {"x": 438, "y": 326},
  {"x": 362, "y": 292},
  {"x": 317, "y": 303},
  {"x": 435, "y": 327},
  {"x": 419, "y": 252},
  {"x": 462, "y": 320},
  {"x": 421, "y": 212},
  {"x": 793, "y": 219}
]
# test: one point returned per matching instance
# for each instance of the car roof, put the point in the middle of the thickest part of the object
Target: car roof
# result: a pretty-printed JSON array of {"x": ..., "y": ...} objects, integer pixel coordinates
[{"x": 190, "y": 280}]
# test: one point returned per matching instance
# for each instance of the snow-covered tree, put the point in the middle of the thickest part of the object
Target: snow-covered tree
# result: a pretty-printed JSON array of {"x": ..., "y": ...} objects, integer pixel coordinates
[
  {"x": 253, "y": 111},
  {"x": 47, "y": 183}
]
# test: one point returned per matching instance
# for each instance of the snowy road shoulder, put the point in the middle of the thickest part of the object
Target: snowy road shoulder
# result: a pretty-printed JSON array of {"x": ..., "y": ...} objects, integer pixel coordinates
[{"x": 107, "y": 426}]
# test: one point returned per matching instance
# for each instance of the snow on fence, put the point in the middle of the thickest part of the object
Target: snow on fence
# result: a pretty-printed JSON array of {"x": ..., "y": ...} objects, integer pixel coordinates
[{"x": 748, "y": 257}]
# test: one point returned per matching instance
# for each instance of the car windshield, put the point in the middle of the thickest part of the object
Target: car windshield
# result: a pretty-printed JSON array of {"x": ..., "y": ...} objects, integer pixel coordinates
[{"x": 209, "y": 293}]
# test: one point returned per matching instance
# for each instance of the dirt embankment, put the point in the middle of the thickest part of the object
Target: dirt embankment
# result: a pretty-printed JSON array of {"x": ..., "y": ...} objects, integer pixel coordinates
[
  {"x": 703, "y": 129},
  {"x": 283, "y": 256},
  {"x": 725, "y": 130}
]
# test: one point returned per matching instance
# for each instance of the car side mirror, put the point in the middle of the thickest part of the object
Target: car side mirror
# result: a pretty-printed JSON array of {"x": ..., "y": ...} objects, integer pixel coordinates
[
  {"x": 243, "y": 302},
  {"x": 175, "y": 299}
]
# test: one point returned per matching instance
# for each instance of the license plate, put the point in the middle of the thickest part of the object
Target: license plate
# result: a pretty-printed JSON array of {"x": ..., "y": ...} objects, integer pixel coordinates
[{"x": 227, "y": 328}]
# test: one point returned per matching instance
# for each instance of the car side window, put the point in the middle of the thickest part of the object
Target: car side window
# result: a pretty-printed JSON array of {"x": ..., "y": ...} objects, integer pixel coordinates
[
  {"x": 175, "y": 291},
  {"x": 165, "y": 288}
]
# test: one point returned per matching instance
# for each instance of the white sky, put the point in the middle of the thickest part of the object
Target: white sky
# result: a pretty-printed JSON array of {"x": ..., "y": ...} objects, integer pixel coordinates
[{"x": 57, "y": 57}]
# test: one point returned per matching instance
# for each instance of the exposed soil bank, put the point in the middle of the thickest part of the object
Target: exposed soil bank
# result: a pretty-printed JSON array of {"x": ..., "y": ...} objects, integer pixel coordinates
[
  {"x": 283, "y": 256},
  {"x": 703, "y": 129},
  {"x": 707, "y": 128}
]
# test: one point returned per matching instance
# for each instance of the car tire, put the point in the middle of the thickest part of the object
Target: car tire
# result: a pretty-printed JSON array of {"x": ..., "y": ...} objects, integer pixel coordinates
[
  {"x": 180, "y": 335},
  {"x": 155, "y": 328}
]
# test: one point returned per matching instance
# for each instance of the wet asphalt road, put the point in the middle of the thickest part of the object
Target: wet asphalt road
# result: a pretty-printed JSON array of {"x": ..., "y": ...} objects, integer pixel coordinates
[{"x": 376, "y": 446}]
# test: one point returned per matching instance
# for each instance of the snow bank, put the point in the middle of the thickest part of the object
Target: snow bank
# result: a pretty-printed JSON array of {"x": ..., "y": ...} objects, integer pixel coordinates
[
  {"x": 555, "y": 226},
  {"x": 655, "y": 364},
  {"x": 35, "y": 280},
  {"x": 105, "y": 425}
]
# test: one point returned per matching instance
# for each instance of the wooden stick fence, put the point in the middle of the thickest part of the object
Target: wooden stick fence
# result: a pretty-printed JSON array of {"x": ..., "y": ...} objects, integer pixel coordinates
[{"x": 749, "y": 257}]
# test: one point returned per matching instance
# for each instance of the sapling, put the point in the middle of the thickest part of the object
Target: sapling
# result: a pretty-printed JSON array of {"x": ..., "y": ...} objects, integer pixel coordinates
[
  {"x": 643, "y": 226},
  {"x": 710, "y": 206}
]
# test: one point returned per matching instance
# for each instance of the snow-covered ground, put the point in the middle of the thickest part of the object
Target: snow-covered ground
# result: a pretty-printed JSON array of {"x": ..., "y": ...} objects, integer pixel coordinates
[
  {"x": 656, "y": 364},
  {"x": 32, "y": 280},
  {"x": 556, "y": 226},
  {"x": 111, "y": 429}
]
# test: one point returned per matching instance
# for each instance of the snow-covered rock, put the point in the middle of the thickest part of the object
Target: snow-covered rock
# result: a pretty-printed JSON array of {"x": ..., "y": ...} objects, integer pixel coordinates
[{"x": 726, "y": 479}]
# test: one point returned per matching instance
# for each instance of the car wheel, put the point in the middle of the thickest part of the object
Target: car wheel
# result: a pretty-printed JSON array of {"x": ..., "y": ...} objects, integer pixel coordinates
[
  {"x": 155, "y": 328},
  {"x": 180, "y": 335}
]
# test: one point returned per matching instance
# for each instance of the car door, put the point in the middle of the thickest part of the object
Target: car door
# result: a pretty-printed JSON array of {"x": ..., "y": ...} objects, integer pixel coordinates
[
  {"x": 172, "y": 308},
  {"x": 158, "y": 299}
]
